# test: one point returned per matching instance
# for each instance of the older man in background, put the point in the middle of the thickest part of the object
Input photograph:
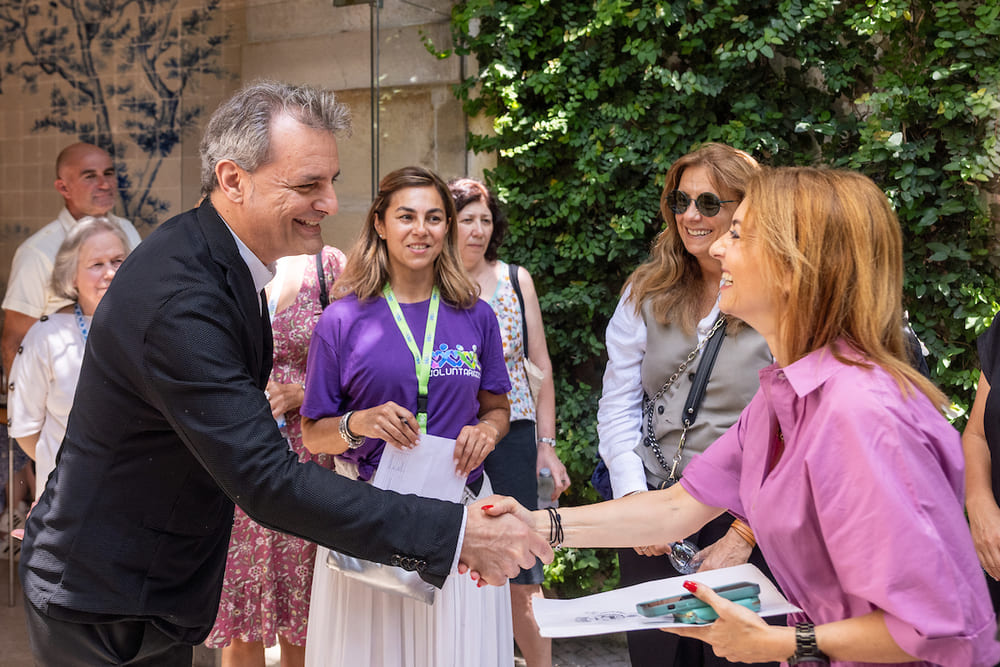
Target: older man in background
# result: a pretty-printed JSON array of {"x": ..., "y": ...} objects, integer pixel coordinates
[{"x": 85, "y": 177}]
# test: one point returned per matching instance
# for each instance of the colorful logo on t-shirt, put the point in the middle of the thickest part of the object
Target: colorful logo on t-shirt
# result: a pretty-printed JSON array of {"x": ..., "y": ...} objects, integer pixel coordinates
[{"x": 457, "y": 361}]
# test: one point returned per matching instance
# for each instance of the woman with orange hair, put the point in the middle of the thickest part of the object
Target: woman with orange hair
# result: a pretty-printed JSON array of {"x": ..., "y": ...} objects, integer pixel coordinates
[{"x": 843, "y": 462}]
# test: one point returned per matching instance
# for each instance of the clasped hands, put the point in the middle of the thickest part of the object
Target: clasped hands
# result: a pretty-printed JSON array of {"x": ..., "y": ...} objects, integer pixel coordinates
[{"x": 500, "y": 539}]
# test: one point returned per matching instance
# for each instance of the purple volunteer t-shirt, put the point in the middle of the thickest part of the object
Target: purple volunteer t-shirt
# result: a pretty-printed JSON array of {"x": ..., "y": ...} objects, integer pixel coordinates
[{"x": 358, "y": 359}]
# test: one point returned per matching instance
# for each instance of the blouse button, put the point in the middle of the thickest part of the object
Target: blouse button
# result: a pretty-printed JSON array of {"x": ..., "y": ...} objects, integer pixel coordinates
[{"x": 660, "y": 409}]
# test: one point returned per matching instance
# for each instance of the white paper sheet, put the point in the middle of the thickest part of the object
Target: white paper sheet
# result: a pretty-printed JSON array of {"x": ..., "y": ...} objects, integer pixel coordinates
[
  {"x": 427, "y": 470},
  {"x": 615, "y": 611}
]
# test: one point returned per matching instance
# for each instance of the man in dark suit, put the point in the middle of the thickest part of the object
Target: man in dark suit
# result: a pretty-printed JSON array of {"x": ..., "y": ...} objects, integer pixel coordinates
[{"x": 124, "y": 554}]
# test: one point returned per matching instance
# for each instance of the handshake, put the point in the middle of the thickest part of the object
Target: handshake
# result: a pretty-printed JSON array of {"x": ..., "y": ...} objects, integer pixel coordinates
[{"x": 501, "y": 537}]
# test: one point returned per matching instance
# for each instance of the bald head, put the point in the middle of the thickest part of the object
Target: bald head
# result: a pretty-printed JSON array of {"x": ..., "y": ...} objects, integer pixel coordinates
[{"x": 85, "y": 177}]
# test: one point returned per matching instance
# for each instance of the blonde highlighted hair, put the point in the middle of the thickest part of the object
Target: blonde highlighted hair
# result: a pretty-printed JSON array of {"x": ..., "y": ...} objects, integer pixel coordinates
[
  {"x": 671, "y": 278},
  {"x": 367, "y": 269},
  {"x": 831, "y": 246}
]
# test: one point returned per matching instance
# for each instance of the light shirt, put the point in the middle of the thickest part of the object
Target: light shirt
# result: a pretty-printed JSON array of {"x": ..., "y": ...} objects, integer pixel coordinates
[
  {"x": 260, "y": 272},
  {"x": 863, "y": 510},
  {"x": 29, "y": 290},
  {"x": 619, "y": 412},
  {"x": 44, "y": 377}
]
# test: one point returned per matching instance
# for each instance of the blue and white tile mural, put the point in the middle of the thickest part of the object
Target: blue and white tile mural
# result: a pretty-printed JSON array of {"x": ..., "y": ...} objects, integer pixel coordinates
[{"x": 123, "y": 74}]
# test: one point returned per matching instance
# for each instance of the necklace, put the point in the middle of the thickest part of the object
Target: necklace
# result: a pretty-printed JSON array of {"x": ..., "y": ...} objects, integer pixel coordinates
[{"x": 80, "y": 321}]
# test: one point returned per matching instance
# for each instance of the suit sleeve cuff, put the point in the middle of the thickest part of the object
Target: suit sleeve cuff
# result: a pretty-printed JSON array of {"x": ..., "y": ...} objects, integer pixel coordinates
[{"x": 461, "y": 539}]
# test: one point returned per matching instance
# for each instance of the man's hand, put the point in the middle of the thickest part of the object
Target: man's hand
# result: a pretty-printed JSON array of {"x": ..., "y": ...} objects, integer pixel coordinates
[{"x": 500, "y": 542}]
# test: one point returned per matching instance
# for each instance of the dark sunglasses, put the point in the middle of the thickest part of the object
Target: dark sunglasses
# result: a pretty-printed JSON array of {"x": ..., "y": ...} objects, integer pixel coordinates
[{"x": 706, "y": 203}]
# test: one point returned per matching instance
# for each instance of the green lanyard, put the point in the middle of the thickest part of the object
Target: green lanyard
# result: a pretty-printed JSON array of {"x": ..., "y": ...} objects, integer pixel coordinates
[{"x": 421, "y": 361}]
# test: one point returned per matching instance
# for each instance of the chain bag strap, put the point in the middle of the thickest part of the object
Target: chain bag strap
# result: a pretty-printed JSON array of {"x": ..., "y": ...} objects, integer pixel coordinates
[{"x": 694, "y": 399}]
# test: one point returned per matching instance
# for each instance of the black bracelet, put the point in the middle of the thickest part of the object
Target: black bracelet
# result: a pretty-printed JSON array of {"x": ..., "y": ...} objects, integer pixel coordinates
[{"x": 555, "y": 528}]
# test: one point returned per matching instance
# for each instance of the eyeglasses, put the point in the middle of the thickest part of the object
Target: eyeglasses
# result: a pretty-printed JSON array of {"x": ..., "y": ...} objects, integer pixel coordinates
[{"x": 707, "y": 203}]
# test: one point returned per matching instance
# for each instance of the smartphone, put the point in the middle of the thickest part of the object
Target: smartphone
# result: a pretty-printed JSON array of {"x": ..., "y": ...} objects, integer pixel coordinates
[
  {"x": 702, "y": 615},
  {"x": 678, "y": 603}
]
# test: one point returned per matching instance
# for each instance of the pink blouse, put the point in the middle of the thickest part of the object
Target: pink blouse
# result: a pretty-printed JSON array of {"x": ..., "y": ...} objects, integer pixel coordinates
[{"x": 863, "y": 510}]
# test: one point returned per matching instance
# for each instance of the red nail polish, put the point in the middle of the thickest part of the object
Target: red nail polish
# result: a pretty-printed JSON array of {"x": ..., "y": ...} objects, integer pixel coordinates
[
  {"x": 487, "y": 507},
  {"x": 691, "y": 586},
  {"x": 479, "y": 584},
  {"x": 474, "y": 576}
]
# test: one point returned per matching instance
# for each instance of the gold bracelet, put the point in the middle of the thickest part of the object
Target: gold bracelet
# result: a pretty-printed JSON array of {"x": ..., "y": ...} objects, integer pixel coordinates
[{"x": 744, "y": 531}]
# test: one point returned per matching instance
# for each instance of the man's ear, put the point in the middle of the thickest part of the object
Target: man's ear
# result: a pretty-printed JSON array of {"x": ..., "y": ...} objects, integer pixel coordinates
[
  {"x": 233, "y": 180},
  {"x": 61, "y": 188}
]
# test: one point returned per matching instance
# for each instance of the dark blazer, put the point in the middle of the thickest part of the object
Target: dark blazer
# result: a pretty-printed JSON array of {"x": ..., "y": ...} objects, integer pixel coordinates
[{"x": 169, "y": 428}]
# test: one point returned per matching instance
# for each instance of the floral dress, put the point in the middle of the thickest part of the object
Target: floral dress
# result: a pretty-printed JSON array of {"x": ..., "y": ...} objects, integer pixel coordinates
[
  {"x": 269, "y": 574},
  {"x": 507, "y": 307}
]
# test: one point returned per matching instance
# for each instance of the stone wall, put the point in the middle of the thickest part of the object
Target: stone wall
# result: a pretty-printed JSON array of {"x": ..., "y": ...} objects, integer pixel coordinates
[{"x": 147, "y": 83}]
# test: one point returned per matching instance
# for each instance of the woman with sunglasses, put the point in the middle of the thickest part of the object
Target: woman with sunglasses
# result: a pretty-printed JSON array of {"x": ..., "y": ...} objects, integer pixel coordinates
[
  {"x": 843, "y": 461},
  {"x": 666, "y": 318}
]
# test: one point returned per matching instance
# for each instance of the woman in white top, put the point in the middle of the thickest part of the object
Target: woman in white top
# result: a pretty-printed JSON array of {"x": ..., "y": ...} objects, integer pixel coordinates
[{"x": 47, "y": 365}]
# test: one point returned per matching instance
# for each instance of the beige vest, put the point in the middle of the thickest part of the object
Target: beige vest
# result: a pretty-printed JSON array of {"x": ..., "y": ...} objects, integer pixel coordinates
[{"x": 733, "y": 383}]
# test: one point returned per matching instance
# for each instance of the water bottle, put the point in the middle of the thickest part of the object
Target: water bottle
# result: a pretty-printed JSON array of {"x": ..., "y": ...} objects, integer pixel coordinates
[{"x": 546, "y": 487}]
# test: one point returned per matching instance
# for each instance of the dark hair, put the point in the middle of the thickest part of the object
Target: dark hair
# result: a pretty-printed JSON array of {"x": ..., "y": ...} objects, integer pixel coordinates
[{"x": 466, "y": 191}]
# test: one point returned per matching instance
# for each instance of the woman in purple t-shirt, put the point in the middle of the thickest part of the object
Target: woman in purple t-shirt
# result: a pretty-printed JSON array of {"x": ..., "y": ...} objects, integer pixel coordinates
[
  {"x": 407, "y": 348},
  {"x": 842, "y": 462}
]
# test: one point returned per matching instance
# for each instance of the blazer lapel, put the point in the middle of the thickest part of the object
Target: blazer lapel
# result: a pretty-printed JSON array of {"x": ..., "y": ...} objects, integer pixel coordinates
[{"x": 252, "y": 304}]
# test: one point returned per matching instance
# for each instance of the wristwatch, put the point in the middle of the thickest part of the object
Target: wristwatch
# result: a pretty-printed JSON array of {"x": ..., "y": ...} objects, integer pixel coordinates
[{"x": 806, "y": 650}]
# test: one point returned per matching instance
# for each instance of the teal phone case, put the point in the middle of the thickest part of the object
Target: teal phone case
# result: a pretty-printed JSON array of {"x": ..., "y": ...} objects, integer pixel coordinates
[{"x": 703, "y": 615}]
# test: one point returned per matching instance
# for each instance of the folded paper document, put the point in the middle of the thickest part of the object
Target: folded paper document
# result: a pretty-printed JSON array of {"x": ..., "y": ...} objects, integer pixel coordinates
[{"x": 615, "y": 611}]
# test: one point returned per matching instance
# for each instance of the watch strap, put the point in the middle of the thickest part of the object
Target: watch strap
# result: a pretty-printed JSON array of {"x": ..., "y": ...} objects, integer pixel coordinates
[{"x": 806, "y": 649}]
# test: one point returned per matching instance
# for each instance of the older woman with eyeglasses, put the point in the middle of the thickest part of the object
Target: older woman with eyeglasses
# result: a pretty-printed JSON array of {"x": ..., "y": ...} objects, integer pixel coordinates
[
  {"x": 661, "y": 332},
  {"x": 47, "y": 365}
]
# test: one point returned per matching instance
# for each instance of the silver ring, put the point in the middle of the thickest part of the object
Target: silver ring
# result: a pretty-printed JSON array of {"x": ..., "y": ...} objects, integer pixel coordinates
[{"x": 267, "y": 394}]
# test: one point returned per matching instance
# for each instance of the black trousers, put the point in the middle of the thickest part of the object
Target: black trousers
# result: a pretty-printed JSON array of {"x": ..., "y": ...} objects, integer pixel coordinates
[
  {"x": 136, "y": 643},
  {"x": 655, "y": 648}
]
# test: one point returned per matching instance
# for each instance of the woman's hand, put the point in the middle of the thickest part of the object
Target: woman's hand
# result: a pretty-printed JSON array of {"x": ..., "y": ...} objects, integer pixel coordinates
[
  {"x": 284, "y": 397},
  {"x": 729, "y": 550},
  {"x": 653, "y": 550},
  {"x": 473, "y": 445},
  {"x": 547, "y": 458},
  {"x": 984, "y": 522},
  {"x": 390, "y": 422},
  {"x": 739, "y": 634}
]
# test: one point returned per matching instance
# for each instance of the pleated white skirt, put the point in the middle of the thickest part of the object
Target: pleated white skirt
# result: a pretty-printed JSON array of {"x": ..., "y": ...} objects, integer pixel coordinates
[{"x": 353, "y": 624}]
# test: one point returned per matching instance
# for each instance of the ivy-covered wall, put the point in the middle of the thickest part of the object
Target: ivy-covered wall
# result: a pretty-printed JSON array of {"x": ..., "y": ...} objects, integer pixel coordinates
[{"x": 592, "y": 102}]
